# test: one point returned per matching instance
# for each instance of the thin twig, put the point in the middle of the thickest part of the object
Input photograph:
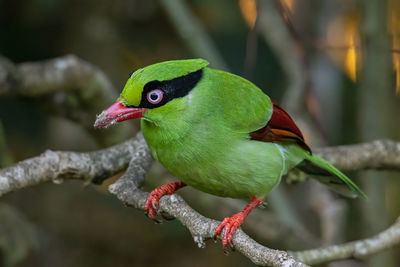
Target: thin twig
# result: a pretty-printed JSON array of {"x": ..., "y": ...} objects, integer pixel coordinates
[
  {"x": 276, "y": 34},
  {"x": 192, "y": 32}
]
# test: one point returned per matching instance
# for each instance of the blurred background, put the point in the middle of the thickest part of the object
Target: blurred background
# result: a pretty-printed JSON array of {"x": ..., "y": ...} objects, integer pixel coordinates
[{"x": 333, "y": 64}]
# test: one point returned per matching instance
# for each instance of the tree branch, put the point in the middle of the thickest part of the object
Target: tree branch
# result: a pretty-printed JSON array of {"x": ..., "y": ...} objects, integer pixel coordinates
[
  {"x": 279, "y": 38},
  {"x": 378, "y": 155},
  {"x": 97, "y": 166},
  {"x": 68, "y": 86},
  {"x": 201, "y": 228},
  {"x": 58, "y": 165},
  {"x": 192, "y": 32},
  {"x": 357, "y": 249}
]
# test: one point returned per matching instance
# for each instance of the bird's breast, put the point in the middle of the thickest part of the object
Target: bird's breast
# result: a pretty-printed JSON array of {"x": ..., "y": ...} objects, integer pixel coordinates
[{"x": 217, "y": 161}]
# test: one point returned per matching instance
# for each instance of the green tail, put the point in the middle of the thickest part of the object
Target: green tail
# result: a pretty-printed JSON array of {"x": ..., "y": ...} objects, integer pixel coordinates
[{"x": 331, "y": 176}]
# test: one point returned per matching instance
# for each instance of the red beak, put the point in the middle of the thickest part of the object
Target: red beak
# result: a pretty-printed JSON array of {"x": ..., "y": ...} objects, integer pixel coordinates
[{"x": 117, "y": 113}]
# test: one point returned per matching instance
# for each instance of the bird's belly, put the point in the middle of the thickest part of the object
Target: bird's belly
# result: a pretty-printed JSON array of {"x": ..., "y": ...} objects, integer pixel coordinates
[{"x": 241, "y": 170}]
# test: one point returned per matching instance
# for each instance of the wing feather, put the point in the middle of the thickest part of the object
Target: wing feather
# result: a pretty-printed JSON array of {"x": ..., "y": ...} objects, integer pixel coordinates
[{"x": 280, "y": 128}]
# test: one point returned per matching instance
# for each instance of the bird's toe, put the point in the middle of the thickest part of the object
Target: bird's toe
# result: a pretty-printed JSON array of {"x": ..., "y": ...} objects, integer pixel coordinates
[
  {"x": 229, "y": 225},
  {"x": 151, "y": 206}
]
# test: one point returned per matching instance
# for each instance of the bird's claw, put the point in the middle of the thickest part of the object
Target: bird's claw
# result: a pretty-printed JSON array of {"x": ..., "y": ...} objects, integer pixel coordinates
[
  {"x": 167, "y": 217},
  {"x": 229, "y": 225},
  {"x": 151, "y": 205},
  {"x": 154, "y": 197}
]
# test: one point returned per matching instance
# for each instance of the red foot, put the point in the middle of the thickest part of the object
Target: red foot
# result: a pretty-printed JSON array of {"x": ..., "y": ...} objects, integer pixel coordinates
[
  {"x": 154, "y": 197},
  {"x": 231, "y": 224}
]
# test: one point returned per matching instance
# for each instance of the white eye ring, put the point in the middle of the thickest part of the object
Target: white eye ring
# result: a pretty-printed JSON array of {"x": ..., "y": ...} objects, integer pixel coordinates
[{"x": 155, "y": 96}]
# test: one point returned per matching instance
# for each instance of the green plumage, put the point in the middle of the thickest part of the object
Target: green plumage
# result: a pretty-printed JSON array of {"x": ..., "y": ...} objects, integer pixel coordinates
[
  {"x": 337, "y": 180},
  {"x": 202, "y": 138}
]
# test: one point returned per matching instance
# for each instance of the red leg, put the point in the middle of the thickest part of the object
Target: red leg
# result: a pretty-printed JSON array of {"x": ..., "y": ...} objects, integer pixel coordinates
[
  {"x": 154, "y": 197},
  {"x": 231, "y": 224}
]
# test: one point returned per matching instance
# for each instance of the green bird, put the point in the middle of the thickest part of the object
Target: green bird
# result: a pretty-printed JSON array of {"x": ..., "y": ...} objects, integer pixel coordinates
[{"x": 217, "y": 132}]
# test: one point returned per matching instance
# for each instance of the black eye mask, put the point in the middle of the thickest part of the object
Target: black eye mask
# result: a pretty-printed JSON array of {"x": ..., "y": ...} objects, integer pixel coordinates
[{"x": 178, "y": 87}]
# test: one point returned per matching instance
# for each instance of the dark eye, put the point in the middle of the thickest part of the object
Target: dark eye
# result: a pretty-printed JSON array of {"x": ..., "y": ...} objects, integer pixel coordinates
[{"x": 155, "y": 96}]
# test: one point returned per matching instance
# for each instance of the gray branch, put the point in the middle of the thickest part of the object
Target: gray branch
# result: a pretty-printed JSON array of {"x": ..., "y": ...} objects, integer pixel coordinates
[
  {"x": 97, "y": 166},
  {"x": 201, "y": 228},
  {"x": 192, "y": 32},
  {"x": 53, "y": 166},
  {"x": 277, "y": 35},
  {"x": 378, "y": 155},
  {"x": 68, "y": 86},
  {"x": 358, "y": 249}
]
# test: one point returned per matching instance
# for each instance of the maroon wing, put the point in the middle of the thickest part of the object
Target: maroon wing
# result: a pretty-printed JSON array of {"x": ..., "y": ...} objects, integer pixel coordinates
[{"x": 280, "y": 128}]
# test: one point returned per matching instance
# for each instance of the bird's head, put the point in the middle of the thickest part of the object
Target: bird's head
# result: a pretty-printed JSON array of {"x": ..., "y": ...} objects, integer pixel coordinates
[{"x": 153, "y": 90}]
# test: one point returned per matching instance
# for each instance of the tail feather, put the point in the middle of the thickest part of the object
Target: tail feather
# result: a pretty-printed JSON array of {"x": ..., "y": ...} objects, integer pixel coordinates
[{"x": 321, "y": 168}]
